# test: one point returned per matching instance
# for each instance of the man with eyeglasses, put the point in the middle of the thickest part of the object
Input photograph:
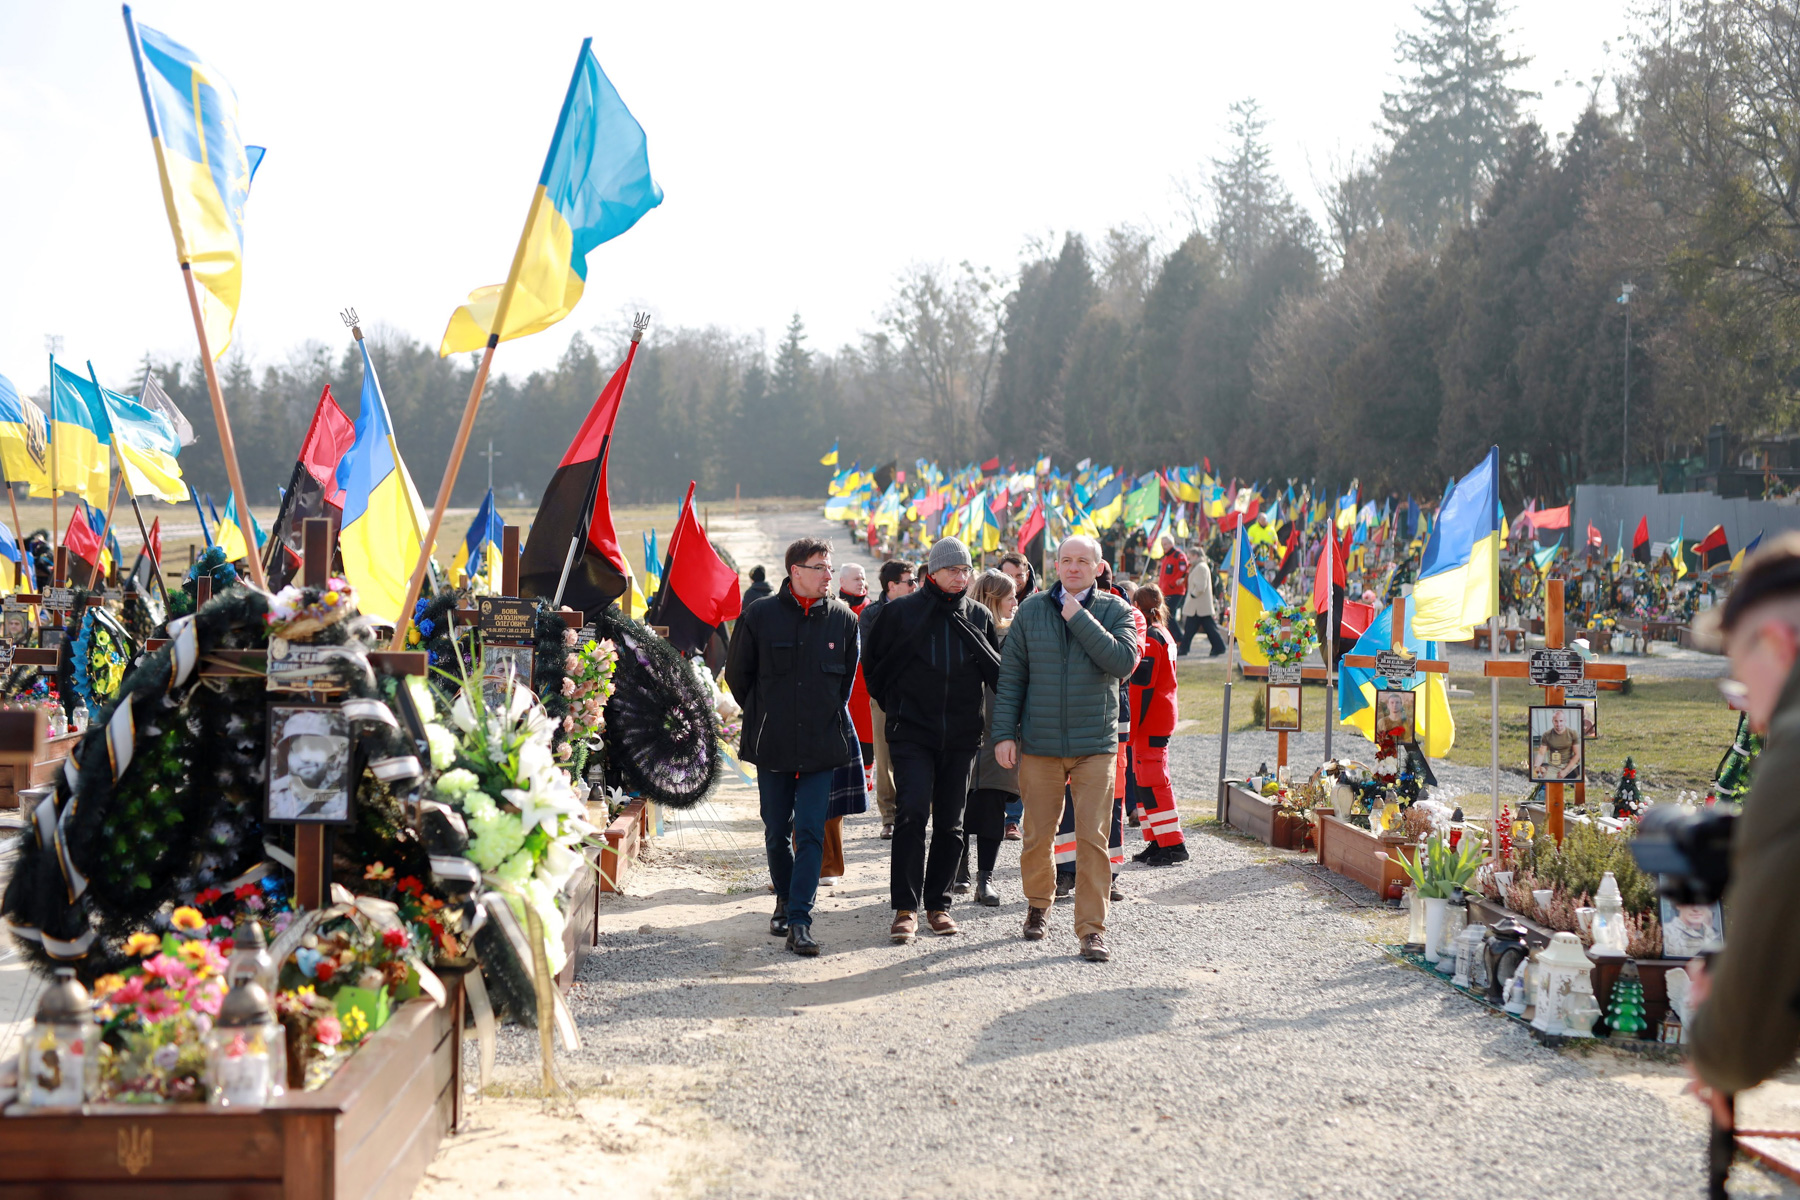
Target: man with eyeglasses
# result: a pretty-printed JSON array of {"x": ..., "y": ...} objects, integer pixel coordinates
[
  {"x": 929, "y": 655},
  {"x": 896, "y": 578},
  {"x": 792, "y": 665},
  {"x": 1747, "y": 1025}
]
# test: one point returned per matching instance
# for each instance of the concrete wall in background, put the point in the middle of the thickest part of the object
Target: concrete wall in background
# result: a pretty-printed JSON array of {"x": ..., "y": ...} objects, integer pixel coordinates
[{"x": 1606, "y": 507}]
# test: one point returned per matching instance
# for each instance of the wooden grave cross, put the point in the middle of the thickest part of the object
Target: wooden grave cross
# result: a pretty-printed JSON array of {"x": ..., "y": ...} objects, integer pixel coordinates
[
  {"x": 312, "y": 870},
  {"x": 505, "y": 619},
  {"x": 1396, "y": 665},
  {"x": 1274, "y": 674},
  {"x": 1558, "y": 666}
]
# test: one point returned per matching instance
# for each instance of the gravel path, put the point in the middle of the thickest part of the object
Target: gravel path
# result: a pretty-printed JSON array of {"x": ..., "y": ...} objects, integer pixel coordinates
[{"x": 1249, "y": 1039}]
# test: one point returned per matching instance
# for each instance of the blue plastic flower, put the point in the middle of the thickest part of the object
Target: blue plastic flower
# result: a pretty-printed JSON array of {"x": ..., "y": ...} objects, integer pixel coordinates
[{"x": 426, "y": 627}]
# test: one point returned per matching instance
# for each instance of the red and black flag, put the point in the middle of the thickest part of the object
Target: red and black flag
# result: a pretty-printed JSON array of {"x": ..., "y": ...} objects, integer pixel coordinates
[
  {"x": 884, "y": 475},
  {"x": 1713, "y": 549},
  {"x": 312, "y": 489},
  {"x": 1031, "y": 537},
  {"x": 575, "y": 502},
  {"x": 1640, "y": 541},
  {"x": 991, "y": 466},
  {"x": 699, "y": 592},
  {"x": 1290, "y": 555}
]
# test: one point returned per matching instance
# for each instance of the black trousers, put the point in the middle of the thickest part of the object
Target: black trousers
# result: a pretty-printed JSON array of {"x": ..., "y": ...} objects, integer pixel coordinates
[
  {"x": 929, "y": 786},
  {"x": 1194, "y": 625}
]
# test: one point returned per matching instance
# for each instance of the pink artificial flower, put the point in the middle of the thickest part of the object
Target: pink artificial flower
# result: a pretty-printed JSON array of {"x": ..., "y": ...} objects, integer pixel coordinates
[
  {"x": 569, "y": 638},
  {"x": 327, "y": 1031},
  {"x": 130, "y": 993},
  {"x": 169, "y": 970},
  {"x": 565, "y": 752},
  {"x": 207, "y": 997},
  {"x": 158, "y": 1007},
  {"x": 571, "y": 664},
  {"x": 568, "y": 686}
]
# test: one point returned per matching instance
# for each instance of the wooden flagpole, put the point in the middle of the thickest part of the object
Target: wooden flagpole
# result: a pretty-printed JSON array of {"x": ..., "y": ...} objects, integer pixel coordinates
[
  {"x": 105, "y": 529},
  {"x": 227, "y": 445}
]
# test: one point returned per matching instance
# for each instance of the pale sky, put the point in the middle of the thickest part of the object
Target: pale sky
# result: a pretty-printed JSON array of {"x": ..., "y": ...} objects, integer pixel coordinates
[{"x": 808, "y": 152}]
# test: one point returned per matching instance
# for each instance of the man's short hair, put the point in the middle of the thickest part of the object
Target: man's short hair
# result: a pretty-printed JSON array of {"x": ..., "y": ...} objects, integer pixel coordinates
[
  {"x": 892, "y": 570},
  {"x": 1772, "y": 574},
  {"x": 1015, "y": 558},
  {"x": 805, "y": 548},
  {"x": 757, "y": 574}
]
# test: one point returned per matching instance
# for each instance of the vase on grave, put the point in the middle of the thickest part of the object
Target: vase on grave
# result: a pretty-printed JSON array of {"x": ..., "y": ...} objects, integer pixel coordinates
[{"x": 1434, "y": 926}]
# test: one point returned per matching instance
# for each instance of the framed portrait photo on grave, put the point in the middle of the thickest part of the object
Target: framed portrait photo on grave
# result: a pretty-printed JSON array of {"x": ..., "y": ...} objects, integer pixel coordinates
[
  {"x": 310, "y": 765},
  {"x": 1396, "y": 712},
  {"x": 1281, "y": 707},
  {"x": 1556, "y": 750}
]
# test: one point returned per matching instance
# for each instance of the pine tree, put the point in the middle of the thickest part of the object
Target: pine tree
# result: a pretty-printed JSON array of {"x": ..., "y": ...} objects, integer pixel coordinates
[{"x": 1452, "y": 116}]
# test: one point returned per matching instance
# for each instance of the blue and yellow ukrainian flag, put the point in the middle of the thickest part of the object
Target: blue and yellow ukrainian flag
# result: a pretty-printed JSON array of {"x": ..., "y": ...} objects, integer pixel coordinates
[
  {"x": 78, "y": 456},
  {"x": 228, "y": 531},
  {"x": 147, "y": 444},
  {"x": 1356, "y": 686},
  {"x": 383, "y": 519},
  {"x": 479, "y": 554},
  {"x": 594, "y": 186},
  {"x": 205, "y": 168},
  {"x": 24, "y": 439},
  {"x": 1254, "y": 596},
  {"x": 1459, "y": 573},
  {"x": 652, "y": 560},
  {"x": 1108, "y": 503},
  {"x": 830, "y": 459}
]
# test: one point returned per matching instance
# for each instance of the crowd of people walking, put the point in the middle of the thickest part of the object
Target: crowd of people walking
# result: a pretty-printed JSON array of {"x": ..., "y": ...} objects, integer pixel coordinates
[{"x": 975, "y": 707}]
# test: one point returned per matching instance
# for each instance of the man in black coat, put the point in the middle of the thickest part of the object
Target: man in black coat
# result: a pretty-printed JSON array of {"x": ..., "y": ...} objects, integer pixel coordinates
[
  {"x": 928, "y": 656},
  {"x": 896, "y": 581},
  {"x": 791, "y": 666}
]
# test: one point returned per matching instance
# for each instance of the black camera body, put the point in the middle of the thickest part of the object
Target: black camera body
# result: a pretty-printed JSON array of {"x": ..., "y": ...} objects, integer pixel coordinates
[{"x": 1688, "y": 850}]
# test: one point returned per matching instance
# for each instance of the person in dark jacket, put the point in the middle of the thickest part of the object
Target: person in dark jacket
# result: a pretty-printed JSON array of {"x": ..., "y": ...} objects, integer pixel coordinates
[
  {"x": 1746, "y": 1026},
  {"x": 929, "y": 656},
  {"x": 896, "y": 579},
  {"x": 1056, "y": 717},
  {"x": 792, "y": 665},
  {"x": 759, "y": 586}
]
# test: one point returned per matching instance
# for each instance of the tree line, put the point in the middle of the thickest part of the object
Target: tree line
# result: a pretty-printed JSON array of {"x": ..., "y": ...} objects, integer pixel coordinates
[{"x": 1463, "y": 289}]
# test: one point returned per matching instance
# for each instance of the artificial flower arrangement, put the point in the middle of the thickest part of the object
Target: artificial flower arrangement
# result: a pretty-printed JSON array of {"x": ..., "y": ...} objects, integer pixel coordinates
[
  {"x": 1287, "y": 636},
  {"x": 155, "y": 1013},
  {"x": 293, "y": 615},
  {"x": 526, "y": 816},
  {"x": 587, "y": 684}
]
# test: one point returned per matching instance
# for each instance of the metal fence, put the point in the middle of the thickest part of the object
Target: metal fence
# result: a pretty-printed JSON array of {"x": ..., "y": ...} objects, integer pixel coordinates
[{"x": 1610, "y": 509}]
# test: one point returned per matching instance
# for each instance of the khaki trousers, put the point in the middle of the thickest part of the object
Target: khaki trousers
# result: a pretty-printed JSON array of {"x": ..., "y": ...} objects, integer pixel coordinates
[
  {"x": 831, "y": 866},
  {"x": 884, "y": 766},
  {"x": 1090, "y": 780}
]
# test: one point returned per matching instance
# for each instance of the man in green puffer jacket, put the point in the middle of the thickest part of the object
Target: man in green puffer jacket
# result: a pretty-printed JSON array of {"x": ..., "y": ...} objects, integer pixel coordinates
[{"x": 1056, "y": 714}]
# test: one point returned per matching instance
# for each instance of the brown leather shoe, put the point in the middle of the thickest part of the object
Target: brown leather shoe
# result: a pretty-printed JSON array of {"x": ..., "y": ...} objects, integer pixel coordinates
[
  {"x": 1012, "y": 831},
  {"x": 1037, "y": 924},
  {"x": 1093, "y": 948},
  {"x": 904, "y": 928},
  {"x": 941, "y": 923}
]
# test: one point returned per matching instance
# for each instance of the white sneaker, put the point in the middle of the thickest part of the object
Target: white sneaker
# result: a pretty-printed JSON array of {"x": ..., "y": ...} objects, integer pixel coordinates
[{"x": 828, "y": 880}]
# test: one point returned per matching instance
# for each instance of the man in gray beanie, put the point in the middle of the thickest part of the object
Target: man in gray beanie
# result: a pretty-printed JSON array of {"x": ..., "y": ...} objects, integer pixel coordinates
[{"x": 927, "y": 657}]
